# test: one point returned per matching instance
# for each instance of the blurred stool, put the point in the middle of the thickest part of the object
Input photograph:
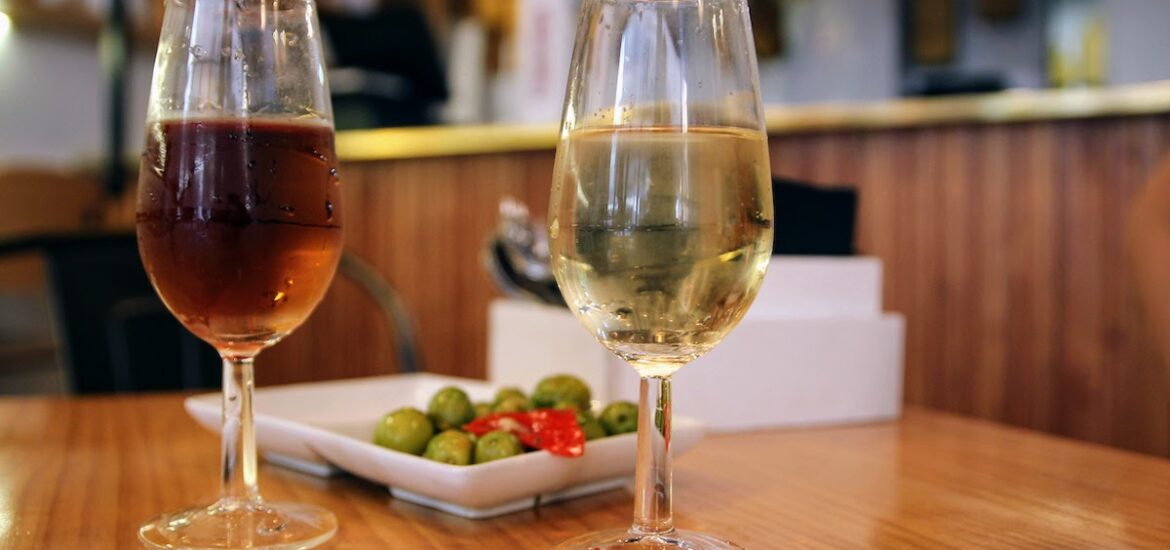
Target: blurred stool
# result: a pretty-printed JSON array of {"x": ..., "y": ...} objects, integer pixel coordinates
[
  {"x": 398, "y": 319},
  {"x": 37, "y": 200},
  {"x": 113, "y": 333}
]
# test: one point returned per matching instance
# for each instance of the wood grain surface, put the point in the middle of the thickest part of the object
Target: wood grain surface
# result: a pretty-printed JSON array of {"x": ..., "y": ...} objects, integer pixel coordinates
[
  {"x": 424, "y": 224},
  {"x": 84, "y": 473},
  {"x": 1004, "y": 247}
]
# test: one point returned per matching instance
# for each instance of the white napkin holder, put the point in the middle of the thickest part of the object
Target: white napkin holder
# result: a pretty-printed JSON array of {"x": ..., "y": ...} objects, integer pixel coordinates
[{"x": 814, "y": 349}]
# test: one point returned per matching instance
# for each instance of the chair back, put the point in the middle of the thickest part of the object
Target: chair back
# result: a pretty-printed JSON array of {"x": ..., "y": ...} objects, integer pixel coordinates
[{"x": 113, "y": 333}]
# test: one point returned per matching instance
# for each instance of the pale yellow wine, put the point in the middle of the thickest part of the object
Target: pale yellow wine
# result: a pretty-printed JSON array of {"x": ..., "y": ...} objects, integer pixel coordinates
[{"x": 660, "y": 236}]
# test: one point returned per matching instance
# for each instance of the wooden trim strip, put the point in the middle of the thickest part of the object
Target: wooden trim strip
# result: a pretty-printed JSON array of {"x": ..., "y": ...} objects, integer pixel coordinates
[{"x": 1007, "y": 107}]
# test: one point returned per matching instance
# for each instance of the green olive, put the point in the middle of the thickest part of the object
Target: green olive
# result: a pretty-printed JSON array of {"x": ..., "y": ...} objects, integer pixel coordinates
[
  {"x": 450, "y": 408},
  {"x": 620, "y": 417},
  {"x": 506, "y": 393},
  {"x": 562, "y": 388},
  {"x": 482, "y": 409},
  {"x": 496, "y": 445},
  {"x": 513, "y": 404},
  {"x": 590, "y": 425},
  {"x": 450, "y": 447},
  {"x": 406, "y": 429}
]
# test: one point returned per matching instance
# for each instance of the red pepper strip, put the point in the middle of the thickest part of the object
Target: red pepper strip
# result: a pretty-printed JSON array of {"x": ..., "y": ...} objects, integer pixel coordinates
[{"x": 553, "y": 430}]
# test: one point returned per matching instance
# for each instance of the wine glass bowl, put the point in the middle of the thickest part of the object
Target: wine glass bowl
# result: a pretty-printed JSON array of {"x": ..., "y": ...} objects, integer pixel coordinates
[
  {"x": 660, "y": 216},
  {"x": 669, "y": 247},
  {"x": 239, "y": 226}
]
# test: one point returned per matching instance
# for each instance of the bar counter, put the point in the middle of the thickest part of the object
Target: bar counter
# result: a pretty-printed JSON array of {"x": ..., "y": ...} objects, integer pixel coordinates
[
  {"x": 85, "y": 472},
  {"x": 1000, "y": 108},
  {"x": 999, "y": 220}
]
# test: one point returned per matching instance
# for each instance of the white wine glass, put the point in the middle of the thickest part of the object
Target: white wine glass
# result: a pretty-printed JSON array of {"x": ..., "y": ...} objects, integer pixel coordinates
[
  {"x": 661, "y": 209},
  {"x": 239, "y": 227}
]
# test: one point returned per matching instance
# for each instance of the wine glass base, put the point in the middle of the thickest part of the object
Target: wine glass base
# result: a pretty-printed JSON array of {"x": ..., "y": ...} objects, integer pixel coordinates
[
  {"x": 241, "y": 524},
  {"x": 618, "y": 539}
]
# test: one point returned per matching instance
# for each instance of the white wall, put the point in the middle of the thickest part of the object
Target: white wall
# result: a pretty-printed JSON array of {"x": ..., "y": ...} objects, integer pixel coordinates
[
  {"x": 836, "y": 50},
  {"x": 1139, "y": 44},
  {"x": 1015, "y": 48},
  {"x": 52, "y": 90},
  {"x": 52, "y": 98}
]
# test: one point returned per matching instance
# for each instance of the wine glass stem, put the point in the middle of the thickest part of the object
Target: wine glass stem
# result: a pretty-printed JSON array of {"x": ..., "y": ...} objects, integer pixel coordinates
[
  {"x": 652, "y": 506},
  {"x": 238, "y": 456}
]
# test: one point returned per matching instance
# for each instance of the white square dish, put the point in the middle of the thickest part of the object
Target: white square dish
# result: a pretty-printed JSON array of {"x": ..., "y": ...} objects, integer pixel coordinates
[{"x": 323, "y": 427}]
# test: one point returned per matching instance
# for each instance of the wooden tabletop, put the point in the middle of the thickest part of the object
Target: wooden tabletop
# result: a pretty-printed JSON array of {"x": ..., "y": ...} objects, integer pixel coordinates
[{"x": 84, "y": 473}]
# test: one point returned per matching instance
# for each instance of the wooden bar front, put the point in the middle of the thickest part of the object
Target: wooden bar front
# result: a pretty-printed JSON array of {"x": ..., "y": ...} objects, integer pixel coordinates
[{"x": 1002, "y": 244}]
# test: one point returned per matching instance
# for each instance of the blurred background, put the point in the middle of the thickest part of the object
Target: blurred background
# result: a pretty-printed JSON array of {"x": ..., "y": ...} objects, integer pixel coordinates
[
  {"x": 411, "y": 62},
  {"x": 987, "y": 152}
]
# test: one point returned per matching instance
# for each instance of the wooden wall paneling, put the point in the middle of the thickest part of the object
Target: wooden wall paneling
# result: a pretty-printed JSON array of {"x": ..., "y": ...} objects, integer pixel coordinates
[
  {"x": 1140, "y": 424},
  {"x": 790, "y": 159},
  {"x": 878, "y": 186},
  {"x": 474, "y": 221},
  {"x": 347, "y": 336},
  {"x": 992, "y": 184},
  {"x": 1127, "y": 340},
  {"x": 1152, "y": 375},
  {"x": 1080, "y": 280},
  {"x": 429, "y": 266},
  {"x": 38, "y": 200},
  {"x": 395, "y": 235},
  {"x": 435, "y": 271},
  {"x": 1124, "y": 337},
  {"x": 1113, "y": 191},
  {"x": 423, "y": 223},
  {"x": 825, "y": 158},
  {"x": 1048, "y": 206},
  {"x": 1002, "y": 246},
  {"x": 900, "y": 264},
  {"x": 921, "y": 211},
  {"x": 478, "y": 221},
  {"x": 1031, "y": 270},
  {"x": 952, "y": 243},
  {"x": 884, "y": 233}
]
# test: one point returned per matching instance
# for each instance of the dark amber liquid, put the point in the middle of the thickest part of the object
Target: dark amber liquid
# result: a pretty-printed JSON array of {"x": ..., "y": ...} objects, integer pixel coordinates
[{"x": 239, "y": 225}]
